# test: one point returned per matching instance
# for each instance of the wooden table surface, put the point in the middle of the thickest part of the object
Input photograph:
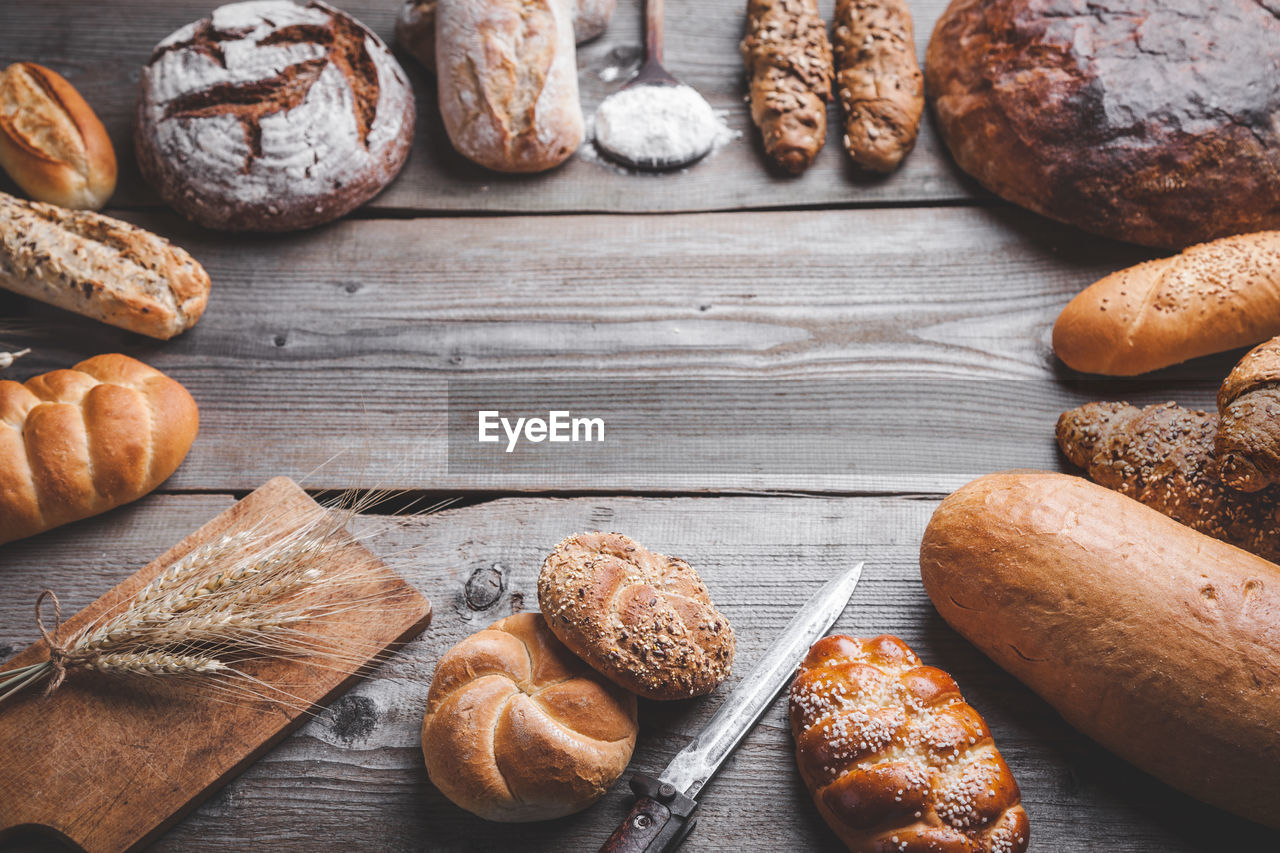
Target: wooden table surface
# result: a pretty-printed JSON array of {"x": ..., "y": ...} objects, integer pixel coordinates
[{"x": 906, "y": 319}]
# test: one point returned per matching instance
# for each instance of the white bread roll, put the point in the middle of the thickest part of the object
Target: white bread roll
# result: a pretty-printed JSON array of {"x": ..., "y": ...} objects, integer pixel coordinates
[
  {"x": 518, "y": 729},
  {"x": 508, "y": 82},
  {"x": 51, "y": 142},
  {"x": 1211, "y": 298},
  {"x": 1158, "y": 642},
  {"x": 75, "y": 443}
]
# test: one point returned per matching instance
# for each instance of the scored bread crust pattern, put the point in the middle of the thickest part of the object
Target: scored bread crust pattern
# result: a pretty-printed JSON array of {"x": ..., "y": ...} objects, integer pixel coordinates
[
  {"x": 895, "y": 758},
  {"x": 643, "y": 619},
  {"x": 516, "y": 728},
  {"x": 271, "y": 115},
  {"x": 75, "y": 443}
]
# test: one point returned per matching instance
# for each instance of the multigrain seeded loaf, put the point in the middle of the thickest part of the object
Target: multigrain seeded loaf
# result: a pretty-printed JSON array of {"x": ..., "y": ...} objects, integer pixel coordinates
[
  {"x": 272, "y": 116},
  {"x": 79, "y": 442},
  {"x": 642, "y": 619},
  {"x": 1156, "y": 641},
  {"x": 1165, "y": 457},
  {"x": 1248, "y": 441},
  {"x": 789, "y": 69},
  {"x": 508, "y": 82},
  {"x": 518, "y": 729},
  {"x": 416, "y": 26},
  {"x": 99, "y": 267},
  {"x": 895, "y": 758}
]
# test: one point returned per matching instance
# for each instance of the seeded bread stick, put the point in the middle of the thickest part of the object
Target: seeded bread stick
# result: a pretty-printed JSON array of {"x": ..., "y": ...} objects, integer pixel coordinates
[
  {"x": 788, "y": 60},
  {"x": 878, "y": 81}
]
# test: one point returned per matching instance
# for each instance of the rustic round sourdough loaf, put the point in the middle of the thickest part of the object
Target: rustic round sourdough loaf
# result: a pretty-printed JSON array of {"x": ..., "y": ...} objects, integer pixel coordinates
[
  {"x": 272, "y": 116},
  {"x": 1150, "y": 121}
]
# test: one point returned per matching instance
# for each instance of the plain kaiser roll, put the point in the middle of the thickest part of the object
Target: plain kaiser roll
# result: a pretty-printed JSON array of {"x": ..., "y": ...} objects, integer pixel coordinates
[
  {"x": 518, "y": 729},
  {"x": 1210, "y": 298},
  {"x": 1158, "y": 642}
]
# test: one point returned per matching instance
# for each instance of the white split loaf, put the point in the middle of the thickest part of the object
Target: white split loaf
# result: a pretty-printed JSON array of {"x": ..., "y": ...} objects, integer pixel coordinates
[{"x": 508, "y": 82}]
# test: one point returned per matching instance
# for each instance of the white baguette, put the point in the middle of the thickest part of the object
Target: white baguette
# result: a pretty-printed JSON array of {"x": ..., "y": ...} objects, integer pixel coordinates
[{"x": 99, "y": 267}]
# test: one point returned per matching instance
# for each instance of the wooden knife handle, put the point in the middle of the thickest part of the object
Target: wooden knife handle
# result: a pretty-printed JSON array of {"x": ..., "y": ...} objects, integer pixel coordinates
[{"x": 659, "y": 822}]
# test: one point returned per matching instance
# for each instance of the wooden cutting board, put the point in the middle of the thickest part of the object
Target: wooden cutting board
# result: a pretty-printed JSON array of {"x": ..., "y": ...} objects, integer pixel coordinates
[{"x": 110, "y": 762}]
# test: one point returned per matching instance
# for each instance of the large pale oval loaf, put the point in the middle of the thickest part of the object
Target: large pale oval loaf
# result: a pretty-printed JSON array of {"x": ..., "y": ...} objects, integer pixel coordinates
[
  {"x": 645, "y": 620},
  {"x": 519, "y": 729},
  {"x": 1159, "y": 642},
  {"x": 75, "y": 443},
  {"x": 894, "y": 756}
]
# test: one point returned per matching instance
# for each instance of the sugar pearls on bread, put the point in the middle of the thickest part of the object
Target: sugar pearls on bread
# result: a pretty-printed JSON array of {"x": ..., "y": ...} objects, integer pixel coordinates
[
  {"x": 272, "y": 116},
  {"x": 643, "y": 619}
]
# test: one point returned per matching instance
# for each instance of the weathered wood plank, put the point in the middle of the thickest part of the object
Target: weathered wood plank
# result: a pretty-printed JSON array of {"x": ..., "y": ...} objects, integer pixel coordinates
[
  {"x": 933, "y": 325},
  {"x": 353, "y": 779},
  {"x": 100, "y": 47}
]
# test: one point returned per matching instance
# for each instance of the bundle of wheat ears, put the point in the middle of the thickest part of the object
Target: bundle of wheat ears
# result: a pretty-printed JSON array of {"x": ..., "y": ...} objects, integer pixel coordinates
[{"x": 250, "y": 594}]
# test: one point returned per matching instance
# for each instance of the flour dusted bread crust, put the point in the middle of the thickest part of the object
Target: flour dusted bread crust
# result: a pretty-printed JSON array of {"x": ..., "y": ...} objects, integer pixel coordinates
[
  {"x": 416, "y": 26},
  {"x": 1150, "y": 121},
  {"x": 643, "y": 619},
  {"x": 76, "y": 443},
  {"x": 99, "y": 267},
  {"x": 1210, "y": 298},
  {"x": 518, "y": 729},
  {"x": 51, "y": 142},
  {"x": 508, "y": 82},
  {"x": 272, "y": 116},
  {"x": 894, "y": 756},
  {"x": 1155, "y": 640}
]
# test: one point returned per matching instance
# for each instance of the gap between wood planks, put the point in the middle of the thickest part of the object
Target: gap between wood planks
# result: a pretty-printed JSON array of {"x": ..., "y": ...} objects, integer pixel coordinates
[
  {"x": 410, "y": 501},
  {"x": 373, "y": 214}
]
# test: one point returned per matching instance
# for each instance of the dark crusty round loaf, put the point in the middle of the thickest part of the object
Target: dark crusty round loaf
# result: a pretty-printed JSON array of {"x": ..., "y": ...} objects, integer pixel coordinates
[
  {"x": 642, "y": 619},
  {"x": 1150, "y": 121},
  {"x": 272, "y": 116}
]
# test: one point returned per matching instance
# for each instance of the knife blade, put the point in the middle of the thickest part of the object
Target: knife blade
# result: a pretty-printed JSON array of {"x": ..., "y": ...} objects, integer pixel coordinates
[{"x": 663, "y": 815}]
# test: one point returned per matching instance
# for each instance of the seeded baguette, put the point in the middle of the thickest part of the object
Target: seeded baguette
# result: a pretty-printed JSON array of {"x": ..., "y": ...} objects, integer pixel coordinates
[
  {"x": 878, "y": 81},
  {"x": 1210, "y": 298},
  {"x": 99, "y": 267},
  {"x": 788, "y": 61},
  {"x": 1156, "y": 641}
]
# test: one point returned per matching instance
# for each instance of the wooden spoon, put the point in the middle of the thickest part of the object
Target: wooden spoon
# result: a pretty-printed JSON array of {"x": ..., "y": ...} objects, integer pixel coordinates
[{"x": 655, "y": 122}]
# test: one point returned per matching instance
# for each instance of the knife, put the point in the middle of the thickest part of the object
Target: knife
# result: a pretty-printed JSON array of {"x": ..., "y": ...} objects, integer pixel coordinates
[{"x": 662, "y": 817}]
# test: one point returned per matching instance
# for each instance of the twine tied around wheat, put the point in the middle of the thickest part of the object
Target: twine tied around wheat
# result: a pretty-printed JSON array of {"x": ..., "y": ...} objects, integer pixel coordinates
[{"x": 57, "y": 651}]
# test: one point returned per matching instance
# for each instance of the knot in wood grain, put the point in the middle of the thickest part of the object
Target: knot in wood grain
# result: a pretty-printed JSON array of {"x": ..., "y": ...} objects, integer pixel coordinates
[{"x": 485, "y": 587}]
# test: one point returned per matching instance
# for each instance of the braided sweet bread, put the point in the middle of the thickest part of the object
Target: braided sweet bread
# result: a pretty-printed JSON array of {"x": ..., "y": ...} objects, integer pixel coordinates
[
  {"x": 642, "y": 619},
  {"x": 75, "y": 443},
  {"x": 895, "y": 758}
]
